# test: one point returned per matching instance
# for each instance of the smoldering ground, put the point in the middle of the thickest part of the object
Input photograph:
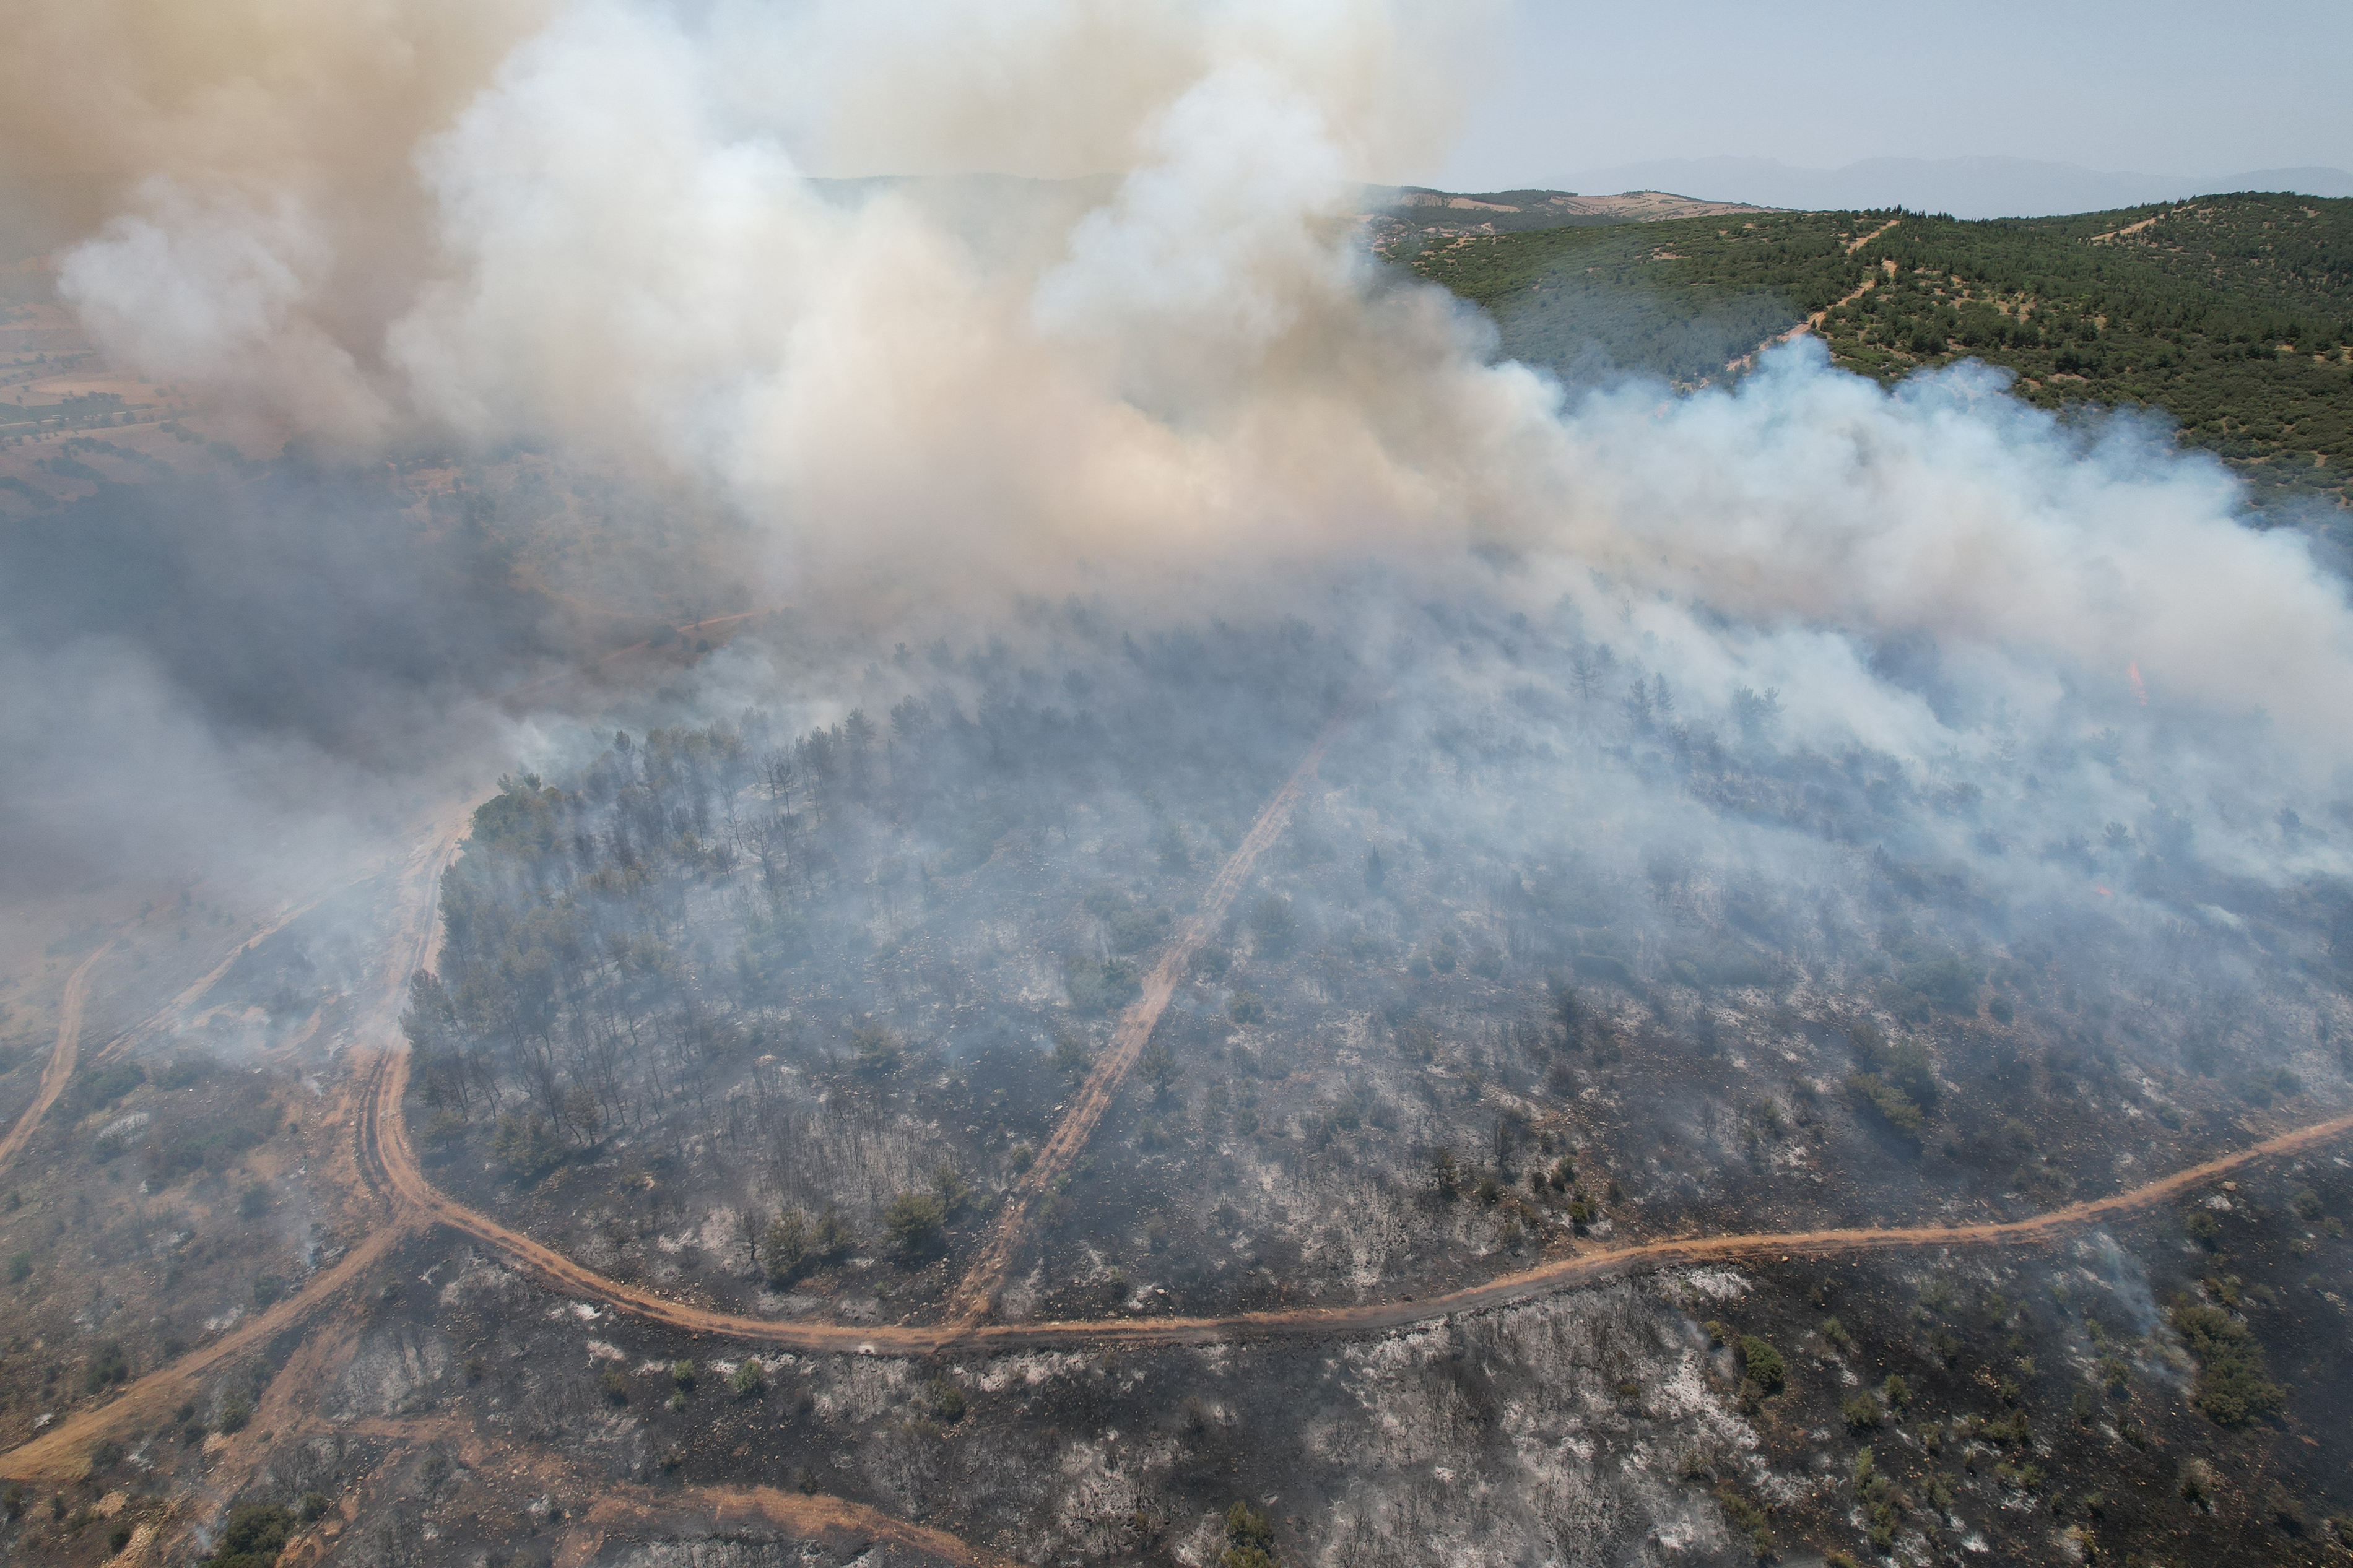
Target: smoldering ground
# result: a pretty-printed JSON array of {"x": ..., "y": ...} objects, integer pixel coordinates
[{"x": 2050, "y": 646}]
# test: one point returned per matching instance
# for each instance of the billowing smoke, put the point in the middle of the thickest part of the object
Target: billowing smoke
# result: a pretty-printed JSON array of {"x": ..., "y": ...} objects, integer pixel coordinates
[{"x": 1147, "y": 359}]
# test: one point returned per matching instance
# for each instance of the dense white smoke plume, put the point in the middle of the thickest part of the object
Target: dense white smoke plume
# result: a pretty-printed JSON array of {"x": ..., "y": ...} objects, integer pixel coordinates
[{"x": 596, "y": 225}]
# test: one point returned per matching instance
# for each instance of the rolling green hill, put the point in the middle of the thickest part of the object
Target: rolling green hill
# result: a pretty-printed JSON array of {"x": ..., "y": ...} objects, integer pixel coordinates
[{"x": 2232, "y": 314}]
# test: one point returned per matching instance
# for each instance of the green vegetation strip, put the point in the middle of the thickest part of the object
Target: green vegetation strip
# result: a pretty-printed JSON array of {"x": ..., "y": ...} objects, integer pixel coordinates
[{"x": 2232, "y": 315}]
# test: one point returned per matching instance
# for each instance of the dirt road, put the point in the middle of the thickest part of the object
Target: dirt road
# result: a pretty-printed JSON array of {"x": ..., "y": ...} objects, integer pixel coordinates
[
  {"x": 387, "y": 1162},
  {"x": 62, "y": 1056},
  {"x": 1566, "y": 1273},
  {"x": 1813, "y": 322},
  {"x": 976, "y": 1296}
]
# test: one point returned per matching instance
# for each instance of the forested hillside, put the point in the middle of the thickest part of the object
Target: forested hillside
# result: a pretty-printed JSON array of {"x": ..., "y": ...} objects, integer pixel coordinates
[{"x": 2231, "y": 314}]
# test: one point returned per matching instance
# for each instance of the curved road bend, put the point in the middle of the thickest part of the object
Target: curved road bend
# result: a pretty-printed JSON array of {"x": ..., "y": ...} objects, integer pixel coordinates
[
  {"x": 401, "y": 1173},
  {"x": 386, "y": 1158}
]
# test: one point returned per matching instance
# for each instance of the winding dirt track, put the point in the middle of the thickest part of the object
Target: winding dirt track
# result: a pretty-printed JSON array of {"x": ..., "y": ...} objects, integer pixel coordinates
[
  {"x": 65, "y": 1054},
  {"x": 400, "y": 1172},
  {"x": 62, "y": 1056},
  {"x": 386, "y": 1161},
  {"x": 385, "y": 1148}
]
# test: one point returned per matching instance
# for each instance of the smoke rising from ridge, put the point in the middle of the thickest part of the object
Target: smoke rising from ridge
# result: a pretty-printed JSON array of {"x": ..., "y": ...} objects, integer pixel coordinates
[{"x": 595, "y": 227}]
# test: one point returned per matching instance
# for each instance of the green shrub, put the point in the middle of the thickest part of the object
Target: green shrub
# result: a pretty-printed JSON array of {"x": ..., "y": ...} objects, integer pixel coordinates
[
  {"x": 874, "y": 1049},
  {"x": 1250, "y": 1539},
  {"x": 1100, "y": 986},
  {"x": 1895, "y": 1107},
  {"x": 785, "y": 1246},
  {"x": 108, "y": 1365},
  {"x": 2234, "y": 1385},
  {"x": 526, "y": 1145},
  {"x": 1275, "y": 925},
  {"x": 915, "y": 1222},
  {"x": 1748, "y": 1517},
  {"x": 1763, "y": 1363},
  {"x": 255, "y": 1534}
]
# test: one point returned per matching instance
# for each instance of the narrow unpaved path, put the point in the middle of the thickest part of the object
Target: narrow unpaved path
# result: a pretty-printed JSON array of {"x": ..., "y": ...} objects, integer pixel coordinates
[
  {"x": 190, "y": 995},
  {"x": 1813, "y": 322},
  {"x": 974, "y": 1296},
  {"x": 60, "y": 1452},
  {"x": 1561, "y": 1274},
  {"x": 1874, "y": 234},
  {"x": 62, "y": 1056}
]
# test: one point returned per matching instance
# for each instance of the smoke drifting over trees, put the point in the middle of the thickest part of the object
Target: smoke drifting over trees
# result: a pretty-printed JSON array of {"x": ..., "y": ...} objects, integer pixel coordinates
[
  {"x": 917, "y": 399},
  {"x": 887, "y": 599}
]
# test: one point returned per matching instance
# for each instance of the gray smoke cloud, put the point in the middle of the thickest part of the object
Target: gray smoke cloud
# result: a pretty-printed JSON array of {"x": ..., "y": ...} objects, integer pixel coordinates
[{"x": 611, "y": 229}]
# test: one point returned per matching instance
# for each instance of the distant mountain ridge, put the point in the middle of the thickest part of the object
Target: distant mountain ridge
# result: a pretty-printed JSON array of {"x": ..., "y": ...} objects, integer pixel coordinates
[{"x": 1965, "y": 187}]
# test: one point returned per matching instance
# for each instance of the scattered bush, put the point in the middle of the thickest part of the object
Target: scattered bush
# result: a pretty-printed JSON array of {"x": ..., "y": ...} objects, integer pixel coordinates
[
  {"x": 1275, "y": 925},
  {"x": 785, "y": 1246},
  {"x": 526, "y": 1145},
  {"x": 2234, "y": 1385},
  {"x": 253, "y": 1536},
  {"x": 1749, "y": 1518},
  {"x": 1100, "y": 986},
  {"x": 1444, "y": 1175},
  {"x": 874, "y": 1049},
  {"x": 108, "y": 1365},
  {"x": 1249, "y": 1539},
  {"x": 915, "y": 1222},
  {"x": 1763, "y": 1363},
  {"x": 1895, "y": 1107}
]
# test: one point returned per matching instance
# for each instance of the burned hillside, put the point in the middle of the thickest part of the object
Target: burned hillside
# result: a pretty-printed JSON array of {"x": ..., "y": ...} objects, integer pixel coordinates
[{"x": 1551, "y": 952}]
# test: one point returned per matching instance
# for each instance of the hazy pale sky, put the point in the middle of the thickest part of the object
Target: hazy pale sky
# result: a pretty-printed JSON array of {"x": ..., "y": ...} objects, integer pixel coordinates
[{"x": 2153, "y": 86}]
